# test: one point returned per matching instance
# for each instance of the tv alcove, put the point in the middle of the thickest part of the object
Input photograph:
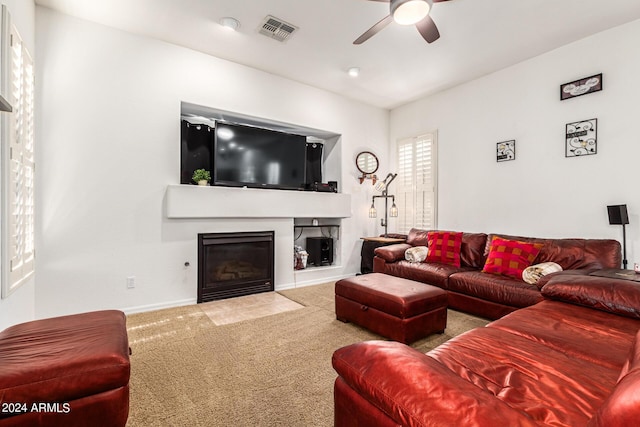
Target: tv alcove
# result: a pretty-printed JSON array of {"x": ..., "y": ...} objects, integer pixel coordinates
[
  {"x": 244, "y": 151},
  {"x": 233, "y": 208}
]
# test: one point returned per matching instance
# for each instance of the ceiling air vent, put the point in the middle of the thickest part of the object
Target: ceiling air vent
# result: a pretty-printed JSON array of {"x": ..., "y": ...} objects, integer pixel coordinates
[{"x": 276, "y": 28}]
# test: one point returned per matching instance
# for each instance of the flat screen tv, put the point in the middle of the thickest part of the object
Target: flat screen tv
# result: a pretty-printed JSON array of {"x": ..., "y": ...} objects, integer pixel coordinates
[{"x": 255, "y": 157}]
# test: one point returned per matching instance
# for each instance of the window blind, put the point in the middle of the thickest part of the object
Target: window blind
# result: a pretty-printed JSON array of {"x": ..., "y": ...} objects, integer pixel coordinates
[
  {"x": 416, "y": 198},
  {"x": 18, "y": 139}
]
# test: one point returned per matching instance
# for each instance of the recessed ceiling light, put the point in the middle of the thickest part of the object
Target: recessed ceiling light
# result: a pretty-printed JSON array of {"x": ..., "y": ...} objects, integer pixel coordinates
[
  {"x": 230, "y": 23},
  {"x": 354, "y": 71}
]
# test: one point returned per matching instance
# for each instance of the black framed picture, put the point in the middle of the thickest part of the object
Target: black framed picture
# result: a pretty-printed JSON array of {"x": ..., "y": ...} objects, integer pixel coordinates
[
  {"x": 506, "y": 151},
  {"x": 581, "y": 87},
  {"x": 581, "y": 138}
]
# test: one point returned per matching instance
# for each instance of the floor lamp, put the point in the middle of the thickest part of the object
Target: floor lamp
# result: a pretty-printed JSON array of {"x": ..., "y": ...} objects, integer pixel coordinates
[
  {"x": 618, "y": 216},
  {"x": 384, "y": 187}
]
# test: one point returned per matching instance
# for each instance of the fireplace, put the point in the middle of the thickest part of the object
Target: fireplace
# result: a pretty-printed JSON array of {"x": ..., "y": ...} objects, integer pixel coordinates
[{"x": 234, "y": 264}]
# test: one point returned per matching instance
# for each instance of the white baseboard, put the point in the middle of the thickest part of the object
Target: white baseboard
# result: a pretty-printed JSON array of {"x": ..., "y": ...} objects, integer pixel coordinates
[
  {"x": 285, "y": 287},
  {"x": 311, "y": 282},
  {"x": 160, "y": 306},
  {"x": 190, "y": 301}
]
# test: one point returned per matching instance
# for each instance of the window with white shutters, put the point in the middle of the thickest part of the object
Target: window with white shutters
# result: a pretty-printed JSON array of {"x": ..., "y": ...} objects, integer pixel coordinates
[
  {"x": 416, "y": 193},
  {"x": 18, "y": 180}
]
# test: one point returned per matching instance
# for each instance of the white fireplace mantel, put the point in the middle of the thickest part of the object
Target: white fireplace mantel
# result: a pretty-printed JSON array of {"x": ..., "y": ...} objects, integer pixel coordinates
[{"x": 193, "y": 201}]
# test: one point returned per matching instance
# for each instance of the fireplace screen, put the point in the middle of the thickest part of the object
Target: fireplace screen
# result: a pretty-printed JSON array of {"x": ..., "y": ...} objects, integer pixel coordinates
[{"x": 234, "y": 264}]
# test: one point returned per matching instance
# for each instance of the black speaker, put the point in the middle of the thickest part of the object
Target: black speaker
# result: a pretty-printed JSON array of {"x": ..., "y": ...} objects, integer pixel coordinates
[
  {"x": 314, "y": 164},
  {"x": 196, "y": 149},
  {"x": 320, "y": 250},
  {"x": 618, "y": 214}
]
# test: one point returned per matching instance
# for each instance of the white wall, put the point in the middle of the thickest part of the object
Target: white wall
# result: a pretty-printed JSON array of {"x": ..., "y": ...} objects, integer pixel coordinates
[
  {"x": 20, "y": 305},
  {"x": 108, "y": 106},
  {"x": 541, "y": 193},
  {"x": 108, "y": 146}
]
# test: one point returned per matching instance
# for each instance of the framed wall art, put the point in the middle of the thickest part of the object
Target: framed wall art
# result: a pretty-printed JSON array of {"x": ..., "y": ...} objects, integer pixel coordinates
[
  {"x": 581, "y": 138},
  {"x": 581, "y": 87},
  {"x": 506, "y": 151}
]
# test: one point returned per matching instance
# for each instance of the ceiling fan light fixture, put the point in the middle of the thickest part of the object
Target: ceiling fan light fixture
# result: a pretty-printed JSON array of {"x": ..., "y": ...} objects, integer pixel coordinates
[{"x": 409, "y": 12}]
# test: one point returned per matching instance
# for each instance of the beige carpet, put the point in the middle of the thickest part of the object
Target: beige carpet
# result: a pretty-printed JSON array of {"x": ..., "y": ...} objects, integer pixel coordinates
[{"x": 271, "y": 371}]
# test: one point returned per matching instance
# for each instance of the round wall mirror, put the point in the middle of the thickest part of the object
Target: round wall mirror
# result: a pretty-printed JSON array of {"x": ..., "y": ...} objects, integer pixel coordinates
[{"x": 367, "y": 162}]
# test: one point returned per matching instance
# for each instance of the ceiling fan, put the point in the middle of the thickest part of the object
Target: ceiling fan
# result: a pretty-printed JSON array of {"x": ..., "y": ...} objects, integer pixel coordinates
[{"x": 406, "y": 12}]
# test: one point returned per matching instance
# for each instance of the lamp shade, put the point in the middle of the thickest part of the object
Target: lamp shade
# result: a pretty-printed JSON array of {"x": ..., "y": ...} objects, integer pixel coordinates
[
  {"x": 372, "y": 211},
  {"x": 393, "y": 212},
  {"x": 618, "y": 214}
]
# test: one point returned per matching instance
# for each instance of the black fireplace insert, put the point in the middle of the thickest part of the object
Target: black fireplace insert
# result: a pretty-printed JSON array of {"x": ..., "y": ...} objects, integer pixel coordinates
[{"x": 234, "y": 264}]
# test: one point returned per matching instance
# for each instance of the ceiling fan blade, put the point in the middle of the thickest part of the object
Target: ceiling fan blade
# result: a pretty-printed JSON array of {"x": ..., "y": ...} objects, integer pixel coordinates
[
  {"x": 374, "y": 30},
  {"x": 428, "y": 30}
]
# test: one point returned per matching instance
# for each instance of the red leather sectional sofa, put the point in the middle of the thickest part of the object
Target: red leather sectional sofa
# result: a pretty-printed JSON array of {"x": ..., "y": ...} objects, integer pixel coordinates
[
  {"x": 570, "y": 360},
  {"x": 491, "y": 295},
  {"x": 563, "y": 352}
]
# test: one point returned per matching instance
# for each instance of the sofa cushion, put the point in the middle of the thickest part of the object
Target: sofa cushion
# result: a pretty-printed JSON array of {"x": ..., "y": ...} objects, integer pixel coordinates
[
  {"x": 547, "y": 385},
  {"x": 492, "y": 287},
  {"x": 431, "y": 273},
  {"x": 444, "y": 247},
  {"x": 472, "y": 250},
  {"x": 573, "y": 254},
  {"x": 612, "y": 295},
  {"x": 417, "y": 237},
  {"x": 574, "y": 330},
  {"x": 510, "y": 257}
]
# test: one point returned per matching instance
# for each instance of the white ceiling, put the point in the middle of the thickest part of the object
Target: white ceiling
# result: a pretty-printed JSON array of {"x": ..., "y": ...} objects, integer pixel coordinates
[{"x": 397, "y": 65}]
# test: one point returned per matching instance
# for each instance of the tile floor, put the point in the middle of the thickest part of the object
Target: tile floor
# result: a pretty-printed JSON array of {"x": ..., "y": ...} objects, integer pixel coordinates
[{"x": 232, "y": 310}]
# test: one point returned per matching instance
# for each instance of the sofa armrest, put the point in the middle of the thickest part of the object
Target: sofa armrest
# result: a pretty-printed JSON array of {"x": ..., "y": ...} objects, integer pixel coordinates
[
  {"x": 392, "y": 253},
  {"x": 545, "y": 279},
  {"x": 616, "y": 296},
  {"x": 414, "y": 389}
]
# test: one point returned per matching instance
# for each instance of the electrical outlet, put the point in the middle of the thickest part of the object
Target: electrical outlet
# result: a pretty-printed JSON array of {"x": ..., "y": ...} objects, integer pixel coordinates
[{"x": 131, "y": 282}]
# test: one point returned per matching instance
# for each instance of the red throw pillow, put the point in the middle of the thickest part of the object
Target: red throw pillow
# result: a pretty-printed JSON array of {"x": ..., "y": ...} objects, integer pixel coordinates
[
  {"x": 444, "y": 247},
  {"x": 510, "y": 257}
]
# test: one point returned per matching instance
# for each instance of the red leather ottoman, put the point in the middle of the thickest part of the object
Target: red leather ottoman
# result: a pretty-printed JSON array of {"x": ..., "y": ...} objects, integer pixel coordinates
[
  {"x": 66, "y": 371},
  {"x": 396, "y": 308}
]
